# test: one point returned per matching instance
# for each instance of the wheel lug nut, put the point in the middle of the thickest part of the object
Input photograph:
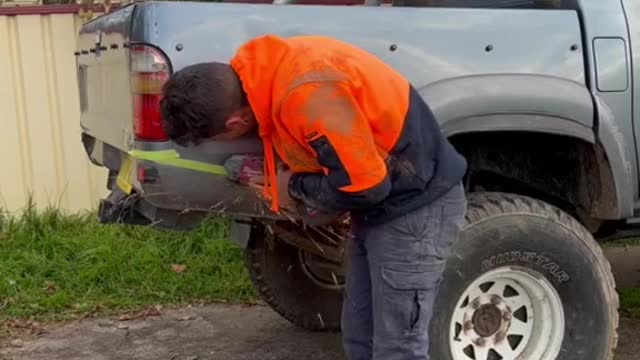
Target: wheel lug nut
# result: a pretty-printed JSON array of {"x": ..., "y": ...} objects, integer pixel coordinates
[
  {"x": 468, "y": 325},
  {"x": 480, "y": 342},
  {"x": 475, "y": 304},
  {"x": 495, "y": 300},
  {"x": 506, "y": 316}
]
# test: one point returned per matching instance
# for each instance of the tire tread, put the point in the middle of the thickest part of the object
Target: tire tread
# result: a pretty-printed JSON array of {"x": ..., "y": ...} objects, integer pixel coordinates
[
  {"x": 266, "y": 293},
  {"x": 486, "y": 205}
]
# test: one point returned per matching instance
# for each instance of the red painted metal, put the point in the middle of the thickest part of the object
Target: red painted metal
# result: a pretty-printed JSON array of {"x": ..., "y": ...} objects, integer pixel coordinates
[
  {"x": 49, "y": 9},
  {"x": 307, "y": 2},
  {"x": 74, "y": 9}
]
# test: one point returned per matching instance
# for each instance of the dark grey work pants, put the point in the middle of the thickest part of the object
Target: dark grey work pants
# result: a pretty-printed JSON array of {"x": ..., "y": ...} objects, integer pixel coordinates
[{"x": 393, "y": 276}]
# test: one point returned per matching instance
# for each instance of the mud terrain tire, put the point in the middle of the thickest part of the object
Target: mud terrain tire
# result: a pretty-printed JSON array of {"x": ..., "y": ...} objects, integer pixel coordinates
[
  {"x": 276, "y": 272},
  {"x": 506, "y": 232}
]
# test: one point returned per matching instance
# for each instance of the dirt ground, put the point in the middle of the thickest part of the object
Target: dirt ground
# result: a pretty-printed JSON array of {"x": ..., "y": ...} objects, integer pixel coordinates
[{"x": 209, "y": 332}]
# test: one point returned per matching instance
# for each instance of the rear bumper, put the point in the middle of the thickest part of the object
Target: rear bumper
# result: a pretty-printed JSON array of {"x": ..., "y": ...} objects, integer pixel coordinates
[
  {"x": 170, "y": 188},
  {"x": 187, "y": 191},
  {"x": 174, "y": 198},
  {"x": 131, "y": 209},
  {"x": 119, "y": 207}
]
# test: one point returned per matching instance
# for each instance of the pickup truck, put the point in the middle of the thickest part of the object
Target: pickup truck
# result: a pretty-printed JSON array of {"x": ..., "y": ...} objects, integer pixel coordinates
[{"x": 539, "y": 96}]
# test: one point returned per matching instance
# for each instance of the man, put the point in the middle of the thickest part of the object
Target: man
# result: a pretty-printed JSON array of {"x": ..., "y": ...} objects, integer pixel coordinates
[{"x": 357, "y": 138}]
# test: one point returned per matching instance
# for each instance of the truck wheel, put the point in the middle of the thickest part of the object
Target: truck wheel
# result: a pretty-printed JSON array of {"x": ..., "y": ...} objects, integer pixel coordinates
[
  {"x": 525, "y": 281},
  {"x": 302, "y": 288}
]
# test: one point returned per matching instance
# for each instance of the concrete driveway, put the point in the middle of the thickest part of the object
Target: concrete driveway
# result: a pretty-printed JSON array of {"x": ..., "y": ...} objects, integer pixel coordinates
[{"x": 209, "y": 332}]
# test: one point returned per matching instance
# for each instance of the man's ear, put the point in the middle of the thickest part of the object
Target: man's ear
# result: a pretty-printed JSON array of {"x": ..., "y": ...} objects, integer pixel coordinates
[
  {"x": 234, "y": 122},
  {"x": 238, "y": 119}
]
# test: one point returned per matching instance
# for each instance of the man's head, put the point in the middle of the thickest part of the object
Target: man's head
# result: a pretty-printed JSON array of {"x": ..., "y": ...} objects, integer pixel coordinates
[{"x": 205, "y": 101}]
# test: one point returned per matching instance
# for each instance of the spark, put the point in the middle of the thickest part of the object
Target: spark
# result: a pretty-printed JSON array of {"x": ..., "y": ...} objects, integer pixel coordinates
[
  {"x": 289, "y": 216},
  {"x": 325, "y": 235},
  {"x": 217, "y": 204},
  {"x": 335, "y": 278},
  {"x": 156, "y": 222},
  {"x": 318, "y": 246},
  {"x": 320, "y": 318},
  {"x": 334, "y": 233}
]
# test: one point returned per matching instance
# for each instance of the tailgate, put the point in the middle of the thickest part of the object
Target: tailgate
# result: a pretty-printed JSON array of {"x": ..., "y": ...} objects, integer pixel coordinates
[{"x": 104, "y": 79}]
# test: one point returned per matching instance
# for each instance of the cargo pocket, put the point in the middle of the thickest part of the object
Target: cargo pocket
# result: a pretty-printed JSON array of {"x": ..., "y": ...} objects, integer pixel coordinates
[
  {"x": 451, "y": 222},
  {"x": 408, "y": 294}
]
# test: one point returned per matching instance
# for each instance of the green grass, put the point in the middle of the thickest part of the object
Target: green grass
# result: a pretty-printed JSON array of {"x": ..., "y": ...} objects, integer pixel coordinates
[
  {"x": 630, "y": 301},
  {"x": 629, "y": 297},
  {"x": 57, "y": 266},
  {"x": 53, "y": 266}
]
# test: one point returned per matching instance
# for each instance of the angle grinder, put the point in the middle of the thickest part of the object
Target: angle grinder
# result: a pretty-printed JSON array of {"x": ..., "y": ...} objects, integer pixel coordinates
[{"x": 248, "y": 170}]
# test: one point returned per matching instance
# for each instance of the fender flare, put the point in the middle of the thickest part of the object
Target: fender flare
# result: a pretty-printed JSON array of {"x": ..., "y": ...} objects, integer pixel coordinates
[
  {"x": 616, "y": 150},
  {"x": 542, "y": 104},
  {"x": 511, "y": 102}
]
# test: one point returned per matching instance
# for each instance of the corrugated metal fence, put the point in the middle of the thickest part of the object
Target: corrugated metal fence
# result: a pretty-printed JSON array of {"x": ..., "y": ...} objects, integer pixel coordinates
[{"x": 42, "y": 155}]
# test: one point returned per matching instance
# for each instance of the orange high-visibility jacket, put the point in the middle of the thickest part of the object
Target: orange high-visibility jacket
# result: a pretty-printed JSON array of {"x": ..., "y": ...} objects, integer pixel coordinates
[{"x": 354, "y": 131}]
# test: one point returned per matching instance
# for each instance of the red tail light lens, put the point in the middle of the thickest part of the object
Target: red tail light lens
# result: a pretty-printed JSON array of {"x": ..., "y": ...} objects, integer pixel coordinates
[
  {"x": 149, "y": 72},
  {"x": 146, "y": 114}
]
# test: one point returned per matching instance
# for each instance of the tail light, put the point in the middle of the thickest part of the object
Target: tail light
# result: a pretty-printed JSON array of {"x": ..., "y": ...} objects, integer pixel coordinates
[
  {"x": 149, "y": 72},
  {"x": 147, "y": 174}
]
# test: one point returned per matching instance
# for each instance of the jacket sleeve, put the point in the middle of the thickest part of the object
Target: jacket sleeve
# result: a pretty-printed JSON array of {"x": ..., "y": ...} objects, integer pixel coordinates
[{"x": 325, "y": 117}]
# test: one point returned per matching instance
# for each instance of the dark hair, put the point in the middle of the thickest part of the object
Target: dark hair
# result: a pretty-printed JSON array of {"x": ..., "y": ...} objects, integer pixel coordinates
[{"x": 198, "y": 99}]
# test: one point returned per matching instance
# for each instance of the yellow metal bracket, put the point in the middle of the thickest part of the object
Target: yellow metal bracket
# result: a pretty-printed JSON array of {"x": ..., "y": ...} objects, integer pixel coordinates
[{"x": 124, "y": 175}]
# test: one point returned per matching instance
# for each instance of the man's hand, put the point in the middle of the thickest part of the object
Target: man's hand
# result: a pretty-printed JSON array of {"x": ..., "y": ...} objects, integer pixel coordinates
[
  {"x": 286, "y": 201},
  {"x": 308, "y": 215}
]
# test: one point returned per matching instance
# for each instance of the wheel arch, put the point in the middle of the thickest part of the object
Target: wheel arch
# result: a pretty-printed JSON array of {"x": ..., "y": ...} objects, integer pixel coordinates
[
  {"x": 569, "y": 172},
  {"x": 538, "y": 109},
  {"x": 512, "y": 102}
]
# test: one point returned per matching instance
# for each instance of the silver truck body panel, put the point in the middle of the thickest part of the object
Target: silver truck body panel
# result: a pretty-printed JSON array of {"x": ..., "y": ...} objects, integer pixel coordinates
[
  {"x": 431, "y": 43},
  {"x": 605, "y": 19},
  {"x": 526, "y": 68},
  {"x": 632, "y": 12}
]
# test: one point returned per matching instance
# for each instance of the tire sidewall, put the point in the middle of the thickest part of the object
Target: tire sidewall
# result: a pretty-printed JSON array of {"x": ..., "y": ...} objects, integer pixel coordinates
[
  {"x": 276, "y": 271},
  {"x": 549, "y": 248}
]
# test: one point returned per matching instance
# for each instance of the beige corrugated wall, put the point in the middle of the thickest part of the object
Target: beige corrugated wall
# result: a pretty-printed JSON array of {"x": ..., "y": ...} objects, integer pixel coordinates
[{"x": 40, "y": 147}]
